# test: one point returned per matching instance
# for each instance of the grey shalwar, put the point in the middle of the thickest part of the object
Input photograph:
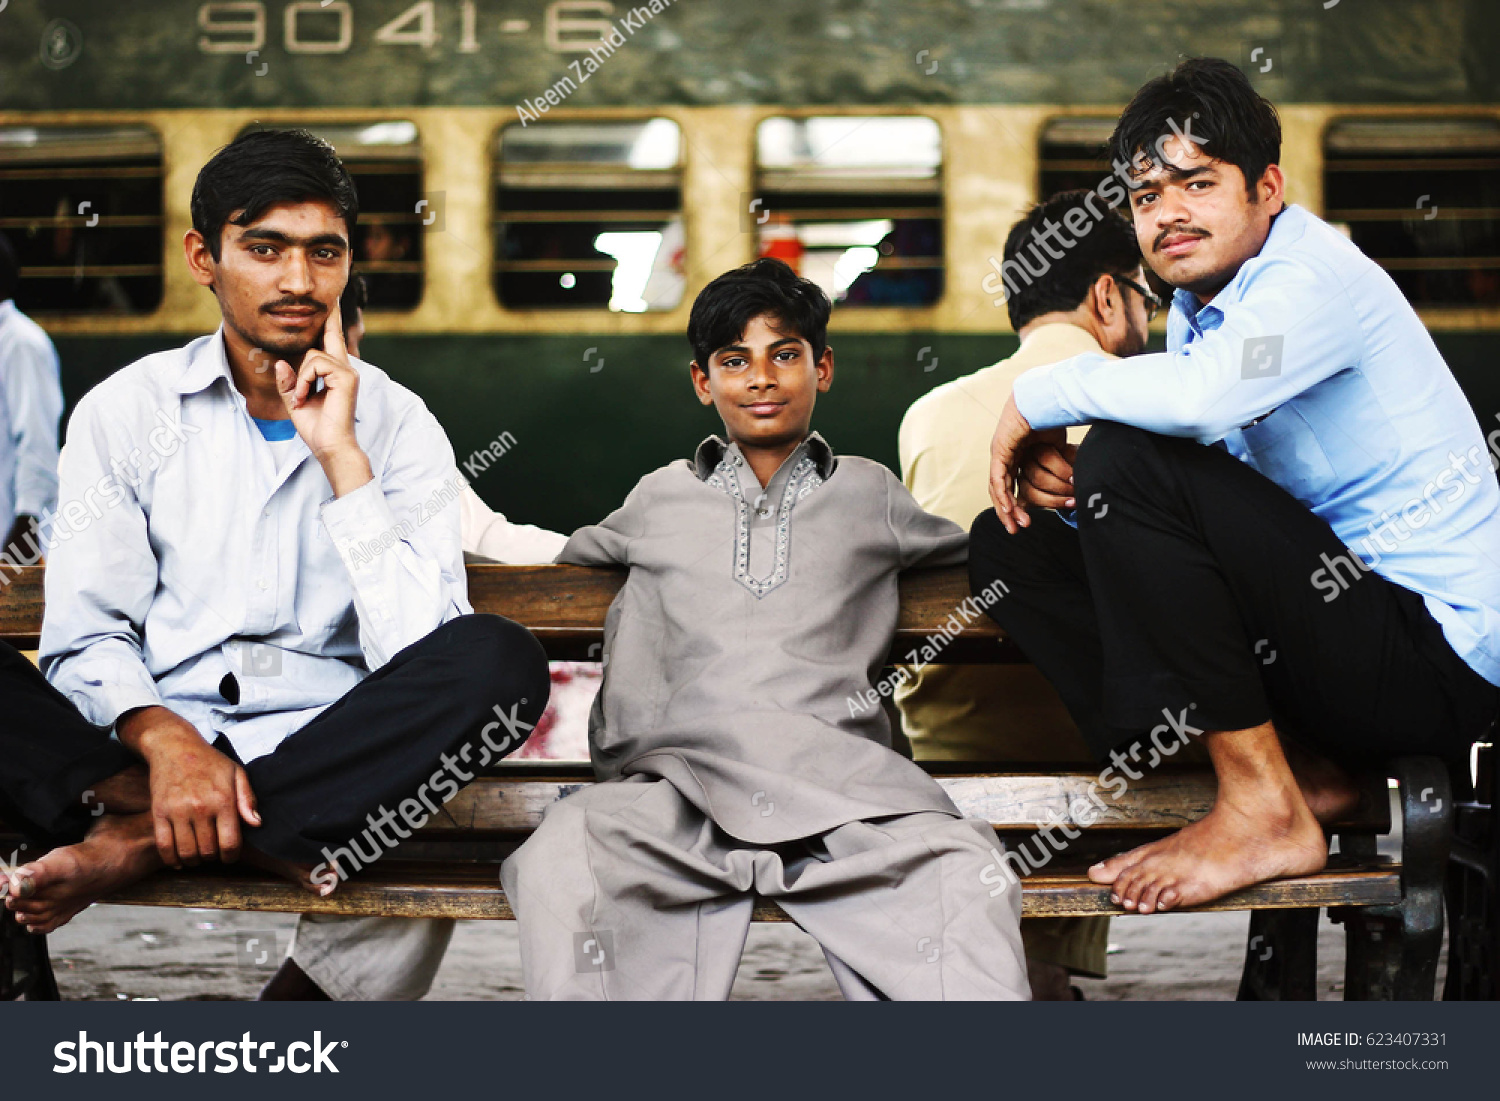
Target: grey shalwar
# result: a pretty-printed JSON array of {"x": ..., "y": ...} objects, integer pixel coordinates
[{"x": 738, "y": 753}]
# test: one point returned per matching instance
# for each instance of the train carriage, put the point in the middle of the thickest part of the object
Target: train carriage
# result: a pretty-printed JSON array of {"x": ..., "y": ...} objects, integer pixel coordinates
[{"x": 545, "y": 185}]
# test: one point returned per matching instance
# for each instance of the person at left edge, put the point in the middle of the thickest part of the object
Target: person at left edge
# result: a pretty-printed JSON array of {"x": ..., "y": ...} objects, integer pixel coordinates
[
  {"x": 33, "y": 405},
  {"x": 259, "y": 590}
]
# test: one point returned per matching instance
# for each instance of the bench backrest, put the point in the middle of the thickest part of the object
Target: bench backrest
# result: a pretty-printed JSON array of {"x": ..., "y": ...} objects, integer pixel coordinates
[{"x": 564, "y": 606}]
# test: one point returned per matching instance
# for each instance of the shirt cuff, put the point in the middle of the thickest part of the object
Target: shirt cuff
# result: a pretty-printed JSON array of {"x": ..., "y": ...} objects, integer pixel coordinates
[
  {"x": 1036, "y": 399},
  {"x": 104, "y": 705}
]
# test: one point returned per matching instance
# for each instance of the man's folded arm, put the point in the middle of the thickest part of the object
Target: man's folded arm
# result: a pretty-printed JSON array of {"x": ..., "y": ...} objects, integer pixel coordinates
[
  {"x": 399, "y": 536},
  {"x": 1221, "y": 381},
  {"x": 489, "y": 534}
]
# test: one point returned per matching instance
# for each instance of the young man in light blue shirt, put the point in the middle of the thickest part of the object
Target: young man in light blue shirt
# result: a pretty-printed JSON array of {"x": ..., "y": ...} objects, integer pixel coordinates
[
  {"x": 1287, "y": 526},
  {"x": 255, "y": 583}
]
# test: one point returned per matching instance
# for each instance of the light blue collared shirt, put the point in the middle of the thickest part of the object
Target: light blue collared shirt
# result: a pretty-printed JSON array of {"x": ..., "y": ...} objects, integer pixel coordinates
[
  {"x": 1313, "y": 368},
  {"x": 184, "y": 552},
  {"x": 33, "y": 401}
]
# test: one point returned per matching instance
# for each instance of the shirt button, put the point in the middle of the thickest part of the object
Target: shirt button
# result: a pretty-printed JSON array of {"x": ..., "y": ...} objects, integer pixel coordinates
[
  {"x": 763, "y": 512},
  {"x": 266, "y": 513},
  {"x": 262, "y": 584},
  {"x": 739, "y": 461}
]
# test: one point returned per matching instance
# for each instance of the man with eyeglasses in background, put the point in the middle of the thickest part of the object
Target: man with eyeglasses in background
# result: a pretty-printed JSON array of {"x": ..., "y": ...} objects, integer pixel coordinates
[{"x": 1091, "y": 299}]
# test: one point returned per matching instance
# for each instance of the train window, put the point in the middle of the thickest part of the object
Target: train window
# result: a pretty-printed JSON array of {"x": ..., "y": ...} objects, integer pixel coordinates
[
  {"x": 384, "y": 159},
  {"x": 82, "y": 206},
  {"x": 1073, "y": 155},
  {"x": 1421, "y": 196},
  {"x": 588, "y": 215},
  {"x": 853, "y": 203}
]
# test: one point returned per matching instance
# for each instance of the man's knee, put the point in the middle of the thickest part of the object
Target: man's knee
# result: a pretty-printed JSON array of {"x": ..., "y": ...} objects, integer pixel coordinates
[
  {"x": 501, "y": 660},
  {"x": 1106, "y": 452}
]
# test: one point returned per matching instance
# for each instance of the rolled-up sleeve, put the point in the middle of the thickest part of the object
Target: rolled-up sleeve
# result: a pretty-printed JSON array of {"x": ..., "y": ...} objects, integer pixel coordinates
[
  {"x": 1292, "y": 327},
  {"x": 399, "y": 536},
  {"x": 100, "y": 580}
]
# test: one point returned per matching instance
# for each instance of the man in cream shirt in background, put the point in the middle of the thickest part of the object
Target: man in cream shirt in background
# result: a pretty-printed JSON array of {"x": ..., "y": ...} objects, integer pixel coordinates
[{"x": 1092, "y": 299}]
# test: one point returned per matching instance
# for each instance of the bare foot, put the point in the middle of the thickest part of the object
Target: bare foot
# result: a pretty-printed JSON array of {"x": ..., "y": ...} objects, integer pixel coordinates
[
  {"x": 1330, "y": 793},
  {"x": 47, "y": 893},
  {"x": 1246, "y": 839},
  {"x": 319, "y": 880}
]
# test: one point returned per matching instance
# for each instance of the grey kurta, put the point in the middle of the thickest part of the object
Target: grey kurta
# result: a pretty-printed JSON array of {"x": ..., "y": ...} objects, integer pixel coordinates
[
  {"x": 732, "y": 719},
  {"x": 747, "y": 624}
]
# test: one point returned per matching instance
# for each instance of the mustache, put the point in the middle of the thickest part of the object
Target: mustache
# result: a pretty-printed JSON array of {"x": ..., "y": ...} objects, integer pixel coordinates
[
  {"x": 1178, "y": 231},
  {"x": 290, "y": 302}
]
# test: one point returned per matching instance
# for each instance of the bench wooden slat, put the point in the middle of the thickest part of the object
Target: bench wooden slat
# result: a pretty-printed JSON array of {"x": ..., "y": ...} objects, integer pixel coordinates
[
  {"x": 472, "y": 891},
  {"x": 21, "y": 606},
  {"x": 564, "y": 607},
  {"x": 1164, "y": 799}
]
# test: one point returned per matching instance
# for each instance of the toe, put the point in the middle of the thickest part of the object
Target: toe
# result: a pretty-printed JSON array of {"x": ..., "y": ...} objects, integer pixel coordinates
[
  {"x": 1167, "y": 899},
  {"x": 1109, "y": 871},
  {"x": 1150, "y": 890},
  {"x": 1127, "y": 888}
]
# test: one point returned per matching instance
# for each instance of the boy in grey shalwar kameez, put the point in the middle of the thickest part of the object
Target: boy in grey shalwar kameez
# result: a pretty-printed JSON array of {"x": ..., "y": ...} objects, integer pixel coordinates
[{"x": 735, "y": 751}]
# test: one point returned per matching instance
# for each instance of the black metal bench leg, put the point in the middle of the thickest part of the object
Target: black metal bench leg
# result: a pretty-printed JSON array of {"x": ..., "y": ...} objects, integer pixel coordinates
[
  {"x": 25, "y": 967},
  {"x": 1393, "y": 950},
  {"x": 1281, "y": 957},
  {"x": 1474, "y": 891}
]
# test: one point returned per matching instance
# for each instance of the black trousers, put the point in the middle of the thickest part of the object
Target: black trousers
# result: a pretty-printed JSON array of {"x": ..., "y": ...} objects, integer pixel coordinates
[
  {"x": 1188, "y": 590},
  {"x": 373, "y": 748}
]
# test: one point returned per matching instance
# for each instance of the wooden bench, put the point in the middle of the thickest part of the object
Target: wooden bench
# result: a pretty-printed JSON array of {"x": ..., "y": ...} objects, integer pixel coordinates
[{"x": 1392, "y": 909}]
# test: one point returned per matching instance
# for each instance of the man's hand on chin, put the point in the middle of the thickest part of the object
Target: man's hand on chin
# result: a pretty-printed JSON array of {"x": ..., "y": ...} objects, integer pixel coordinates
[{"x": 325, "y": 419}]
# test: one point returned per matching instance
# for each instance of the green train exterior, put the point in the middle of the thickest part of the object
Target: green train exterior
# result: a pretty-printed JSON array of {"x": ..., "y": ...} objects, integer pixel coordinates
[{"x": 588, "y": 399}]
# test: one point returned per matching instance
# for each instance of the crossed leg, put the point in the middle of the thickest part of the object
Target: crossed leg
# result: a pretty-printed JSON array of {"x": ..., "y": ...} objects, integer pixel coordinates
[
  {"x": 1192, "y": 587},
  {"x": 370, "y": 749}
]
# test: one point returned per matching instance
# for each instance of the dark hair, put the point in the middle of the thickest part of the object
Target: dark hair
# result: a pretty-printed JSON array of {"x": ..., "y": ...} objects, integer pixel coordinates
[
  {"x": 265, "y": 167},
  {"x": 354, "y": 299},
  {"x": 1233, "y": 121},
  {"x": 10, "y": 269},
  {"x": 726, "y": 306},
  {"x": 1106, "y": 246}
]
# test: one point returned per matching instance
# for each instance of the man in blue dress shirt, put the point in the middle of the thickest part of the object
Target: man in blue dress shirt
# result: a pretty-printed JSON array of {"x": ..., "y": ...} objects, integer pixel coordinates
[{"x": 1282, "y": 535}]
